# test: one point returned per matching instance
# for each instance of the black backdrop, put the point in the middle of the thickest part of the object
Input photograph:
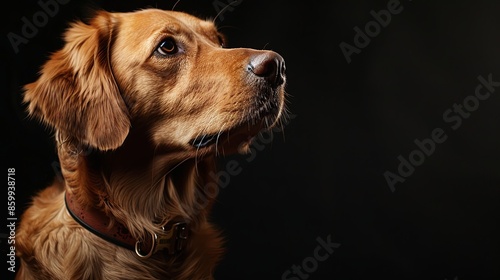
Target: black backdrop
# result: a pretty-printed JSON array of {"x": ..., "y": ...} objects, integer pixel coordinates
[{"x": 417, "y": 103}]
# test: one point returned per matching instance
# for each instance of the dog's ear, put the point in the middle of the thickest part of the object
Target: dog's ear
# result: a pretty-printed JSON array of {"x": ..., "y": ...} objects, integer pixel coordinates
[{"x": 77, "y": 93}]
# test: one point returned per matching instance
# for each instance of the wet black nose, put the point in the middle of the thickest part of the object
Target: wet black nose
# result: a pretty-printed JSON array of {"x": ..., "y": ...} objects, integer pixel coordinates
[{"x": 269, "y": 66}]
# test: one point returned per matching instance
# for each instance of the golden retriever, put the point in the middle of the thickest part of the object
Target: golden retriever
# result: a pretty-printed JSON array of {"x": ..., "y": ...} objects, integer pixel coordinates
[{"x": 141, "y": 104}]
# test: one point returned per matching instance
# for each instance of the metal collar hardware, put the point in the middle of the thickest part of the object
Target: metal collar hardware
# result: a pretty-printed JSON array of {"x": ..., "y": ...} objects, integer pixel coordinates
[{"x": 172, "y": 240}]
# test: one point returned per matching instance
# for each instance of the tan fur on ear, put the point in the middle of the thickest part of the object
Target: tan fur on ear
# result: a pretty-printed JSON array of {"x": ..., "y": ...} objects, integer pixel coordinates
[{"x": 76, "y": 92}]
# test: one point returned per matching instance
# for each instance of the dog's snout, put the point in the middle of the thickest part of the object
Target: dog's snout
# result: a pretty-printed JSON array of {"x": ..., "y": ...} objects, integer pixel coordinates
[{"x": 270, "y": 66}]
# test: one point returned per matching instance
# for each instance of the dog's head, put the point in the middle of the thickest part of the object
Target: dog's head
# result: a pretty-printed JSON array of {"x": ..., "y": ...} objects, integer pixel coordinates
[{"x": 166, "y": 73}]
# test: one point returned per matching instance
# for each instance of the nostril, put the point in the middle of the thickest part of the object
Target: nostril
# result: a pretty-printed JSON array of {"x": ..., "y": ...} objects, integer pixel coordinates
[
  {"x": 263, "y": 67},
  {"x": 268, "y": 65}
]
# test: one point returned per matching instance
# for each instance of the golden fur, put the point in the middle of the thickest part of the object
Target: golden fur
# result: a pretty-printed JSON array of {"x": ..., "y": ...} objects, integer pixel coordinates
[{"x": 125, "y": 113}]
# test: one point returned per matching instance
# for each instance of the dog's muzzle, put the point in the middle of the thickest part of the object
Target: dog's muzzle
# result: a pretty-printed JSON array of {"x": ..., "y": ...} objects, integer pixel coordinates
[{"x": 266, "y": 73}]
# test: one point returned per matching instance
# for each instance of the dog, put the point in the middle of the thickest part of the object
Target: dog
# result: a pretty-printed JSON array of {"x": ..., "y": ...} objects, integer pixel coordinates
[{"x": 141, "y": 104}]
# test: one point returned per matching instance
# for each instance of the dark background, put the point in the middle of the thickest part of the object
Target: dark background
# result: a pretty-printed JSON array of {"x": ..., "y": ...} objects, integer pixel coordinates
[{"x": 323, "y": 177}]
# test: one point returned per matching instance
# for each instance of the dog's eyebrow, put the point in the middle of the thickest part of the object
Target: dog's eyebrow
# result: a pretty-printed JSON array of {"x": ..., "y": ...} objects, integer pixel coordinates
[{"x": 177, "y": 29}]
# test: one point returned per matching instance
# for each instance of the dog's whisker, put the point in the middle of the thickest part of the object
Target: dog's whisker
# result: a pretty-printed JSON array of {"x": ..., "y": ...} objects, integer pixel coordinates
[
  {"x": 176, "y": 166},
  {"x": 219, "y": 134},
  {"x": 173, "y": 7},
  {"x": 196, "y": 158}
]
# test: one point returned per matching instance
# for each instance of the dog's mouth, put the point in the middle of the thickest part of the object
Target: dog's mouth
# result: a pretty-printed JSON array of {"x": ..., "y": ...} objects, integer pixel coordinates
[
  {"x": 204, "y": 140},
  {"x": 263, "y": 117},
  {"x": 238, "y": 135}
]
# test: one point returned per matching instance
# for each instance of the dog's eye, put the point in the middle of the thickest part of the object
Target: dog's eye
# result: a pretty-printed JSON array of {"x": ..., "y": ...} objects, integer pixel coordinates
[{"x": 167, "y": 47}]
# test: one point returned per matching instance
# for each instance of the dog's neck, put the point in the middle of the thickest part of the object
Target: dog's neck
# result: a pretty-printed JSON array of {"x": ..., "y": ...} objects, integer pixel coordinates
[{"x": 138, "y": 185}]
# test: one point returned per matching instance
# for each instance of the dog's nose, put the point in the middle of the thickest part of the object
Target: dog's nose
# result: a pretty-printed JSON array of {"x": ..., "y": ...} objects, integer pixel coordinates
[{"x": 270, "y": 66}]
